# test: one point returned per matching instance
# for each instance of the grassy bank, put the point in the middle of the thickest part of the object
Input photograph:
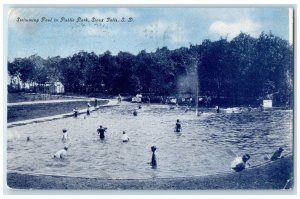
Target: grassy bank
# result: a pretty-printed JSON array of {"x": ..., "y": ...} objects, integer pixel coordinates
[
  {"x": 29, "y": 97},
  {"x": 32, "y": 111},
  {"x": 272, "y": 176}
]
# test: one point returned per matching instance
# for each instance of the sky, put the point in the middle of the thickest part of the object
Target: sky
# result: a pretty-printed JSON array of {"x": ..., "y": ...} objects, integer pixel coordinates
[{"x": 143, "y": 28}]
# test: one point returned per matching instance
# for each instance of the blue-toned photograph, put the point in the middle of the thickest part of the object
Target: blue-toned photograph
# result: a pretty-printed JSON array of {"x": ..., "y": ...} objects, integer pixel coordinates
[{"x": 150, "y": 98}]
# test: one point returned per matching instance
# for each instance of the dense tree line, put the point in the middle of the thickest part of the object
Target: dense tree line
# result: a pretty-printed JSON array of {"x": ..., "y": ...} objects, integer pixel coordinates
[{"x": 244, "y": 70}]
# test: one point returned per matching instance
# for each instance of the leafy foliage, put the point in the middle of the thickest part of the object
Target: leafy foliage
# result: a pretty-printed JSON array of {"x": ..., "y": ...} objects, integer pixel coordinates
[{"x": 244, "y": 70}]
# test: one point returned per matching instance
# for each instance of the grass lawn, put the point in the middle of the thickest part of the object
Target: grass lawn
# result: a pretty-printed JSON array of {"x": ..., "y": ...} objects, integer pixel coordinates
[
  {"x": 32, "y": 111},
  {"x": 25, "y": 97}
]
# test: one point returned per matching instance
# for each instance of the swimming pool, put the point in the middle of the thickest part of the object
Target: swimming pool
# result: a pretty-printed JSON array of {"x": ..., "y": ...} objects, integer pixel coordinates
[{"x": 202, "y": 148}]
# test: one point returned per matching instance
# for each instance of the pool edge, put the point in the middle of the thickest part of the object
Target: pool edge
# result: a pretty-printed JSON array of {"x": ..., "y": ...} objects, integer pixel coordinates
[{"x": 272, "y": 176}]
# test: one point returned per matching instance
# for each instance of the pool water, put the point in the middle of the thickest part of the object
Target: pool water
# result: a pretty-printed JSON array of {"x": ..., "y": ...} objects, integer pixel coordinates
[{"x": 204, "y": 146}]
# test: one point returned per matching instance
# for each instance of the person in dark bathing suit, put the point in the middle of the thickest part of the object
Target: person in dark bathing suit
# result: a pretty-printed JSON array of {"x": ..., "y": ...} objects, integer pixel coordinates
[
  {"x": 101, "y": 132},
  {"x": 134, "y": 113},
  {"x": 153, "y": 159},
  {"x": 277, "y": 155},
  {"x": 240, "y": 163},
  {"x": 178, "y": 126}
]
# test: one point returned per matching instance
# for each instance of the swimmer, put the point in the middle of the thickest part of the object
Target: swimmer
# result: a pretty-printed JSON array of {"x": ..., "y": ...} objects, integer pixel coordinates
[
  {"x": 135, "y": 113},
  {"x": 125, "y": 138},
  {"x": 61, "y": 154},
  {"x": 28, "y": 139},
  {"x": 240, "y": 163},
  {"x": 101, "y": 132},
  {"x": 178, "y": 126},
  {"x": 140, "y": 106},
  {"x": 277, "y": 154},
  {"x": 153, "y": 159},
  {"x": 65, "y": 135}
]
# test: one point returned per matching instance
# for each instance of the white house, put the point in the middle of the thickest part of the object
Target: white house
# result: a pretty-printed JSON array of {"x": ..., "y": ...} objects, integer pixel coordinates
[{"x": 56, "y": 87}]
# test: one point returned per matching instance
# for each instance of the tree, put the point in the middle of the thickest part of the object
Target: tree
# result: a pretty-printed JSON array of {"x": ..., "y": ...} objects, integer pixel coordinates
[{"x": 242, "y": 71}]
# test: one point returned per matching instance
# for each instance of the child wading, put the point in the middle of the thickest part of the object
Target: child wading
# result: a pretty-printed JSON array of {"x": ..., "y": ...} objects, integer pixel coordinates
[
  {"x": 134, "y": 113},
  {"x": 65, "y": 135},
  {"x": 125, "y": 138},
  {"x": 61, "y": 154}
]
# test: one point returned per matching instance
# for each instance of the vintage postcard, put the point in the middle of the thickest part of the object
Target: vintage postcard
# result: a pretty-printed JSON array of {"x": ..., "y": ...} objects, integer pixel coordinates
[{"x": 150, "y": 98}]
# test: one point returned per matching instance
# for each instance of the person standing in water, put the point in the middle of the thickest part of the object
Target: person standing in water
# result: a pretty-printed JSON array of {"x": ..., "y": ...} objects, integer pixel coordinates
[
  {"x": 178, "y": 126},
  {"x": 101, "y": 132},
  {"x": 218, "y": 109},
  {"x": 119, "y": 98},
  {"x": 125, "y": 138},
  {"x": 134, "y": 113},
  {"x": 153, "y": 162},
  {"x": 88, "y": 109},
  {"x": 249, "y": 108},
  {"x": 65, "y": 135}
]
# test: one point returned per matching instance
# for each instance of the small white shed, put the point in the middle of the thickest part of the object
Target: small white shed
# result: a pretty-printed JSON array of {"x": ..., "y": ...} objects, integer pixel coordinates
[
  {"x": 267, "y": 103},
  {"x": 57, "y": 87}
]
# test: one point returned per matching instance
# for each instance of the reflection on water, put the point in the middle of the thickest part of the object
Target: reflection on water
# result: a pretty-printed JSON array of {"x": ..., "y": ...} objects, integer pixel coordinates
[{"x": 200, "y": 149}]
